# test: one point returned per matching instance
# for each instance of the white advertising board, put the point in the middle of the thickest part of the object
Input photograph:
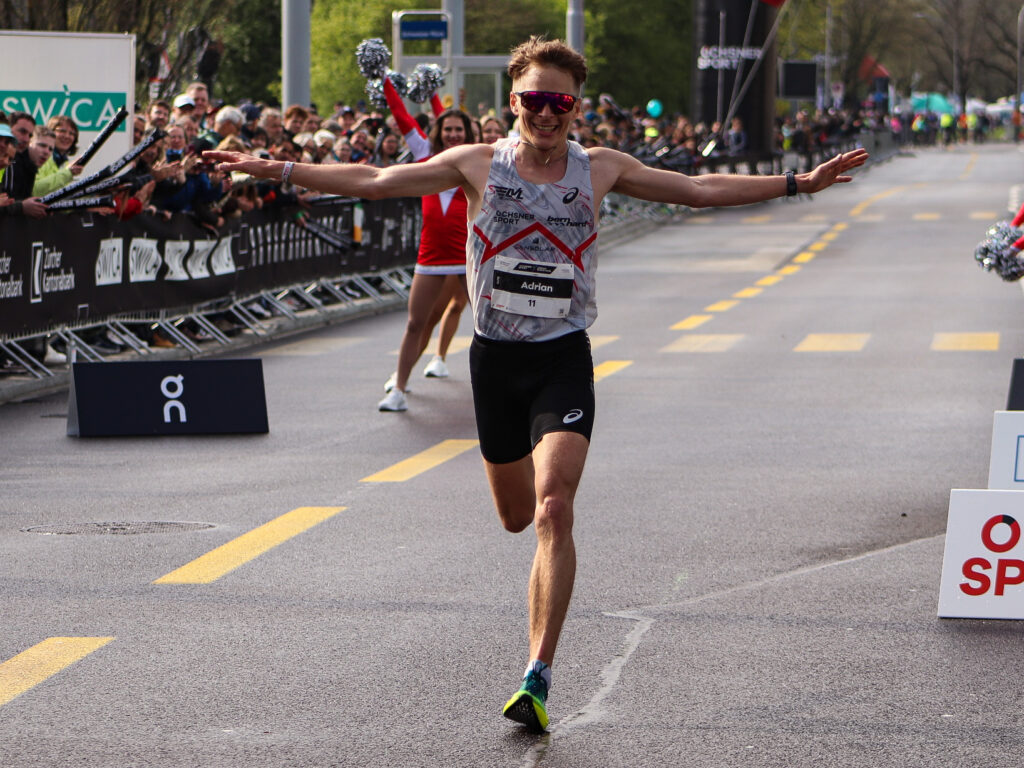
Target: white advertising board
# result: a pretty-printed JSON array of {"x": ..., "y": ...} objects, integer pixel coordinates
[
  {"x": 1006, "y": 465},
  {"x": 983, "y": 562},
  {"x": 85, "y": 76}
]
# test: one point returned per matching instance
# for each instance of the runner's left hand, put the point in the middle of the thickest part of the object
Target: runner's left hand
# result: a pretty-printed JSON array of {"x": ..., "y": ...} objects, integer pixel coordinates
[{"x": 831, "y": 171}]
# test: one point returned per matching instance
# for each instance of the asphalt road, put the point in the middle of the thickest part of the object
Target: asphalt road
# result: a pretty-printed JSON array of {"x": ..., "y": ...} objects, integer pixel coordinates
[{"x": 759, "y": 529}]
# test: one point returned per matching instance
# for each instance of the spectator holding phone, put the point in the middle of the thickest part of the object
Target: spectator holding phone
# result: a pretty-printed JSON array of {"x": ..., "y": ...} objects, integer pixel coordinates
[{"x": 9, "y": 206}]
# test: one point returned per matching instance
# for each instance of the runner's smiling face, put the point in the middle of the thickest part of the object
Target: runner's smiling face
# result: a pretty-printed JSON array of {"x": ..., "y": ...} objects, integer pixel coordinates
[{"x": 544, "y": 130}]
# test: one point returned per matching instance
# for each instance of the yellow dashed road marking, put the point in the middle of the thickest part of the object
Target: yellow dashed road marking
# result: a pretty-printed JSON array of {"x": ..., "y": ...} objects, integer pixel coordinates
[
  {"x": 927, "y": 216},
  {"x": 859, "y": 209},
  {"x": 720, "y": 342},
  {"x": 421, "y": 462},
  {"x": 789, "y": 269},
  {"x": 721, "y": 306},
  {"x": 600, "y": 341},
  {"x": 965, "y": 342},
  {"x": 459, "y": 344},
  {"x": 833, "y": 342},
  {"x": 764, "y": 219},
  {"x": 818, "y": 246},
  {"x": 769, "y": 280},
  {"x": 693, "y": 321},
  {"x": 310, "y": 347},
  {"x": 812, "y": 218},
  {"x": 829, "y": 236},
  {"x": 248, "y": 546},
  {"x": 609, "y": 367},
  {"x": 970, "y": 166},
  {"x": 747, "y": 293},
  {"x": 42, "y": 661},
  {"x": 839, "y": 226},
  {"x": 804, "y": 257},
  {"x": 984, "y": 215}
]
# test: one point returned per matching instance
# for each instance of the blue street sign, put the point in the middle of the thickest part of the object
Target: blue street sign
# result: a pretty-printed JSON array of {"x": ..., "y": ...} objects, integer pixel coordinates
[{"x": 423, "y": 30}]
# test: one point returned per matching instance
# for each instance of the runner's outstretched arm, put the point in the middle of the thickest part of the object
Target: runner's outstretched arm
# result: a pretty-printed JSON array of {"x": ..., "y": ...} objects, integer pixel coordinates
[
  {"x": 415, "y": 180},
  {"x": 631, "y": 177}
]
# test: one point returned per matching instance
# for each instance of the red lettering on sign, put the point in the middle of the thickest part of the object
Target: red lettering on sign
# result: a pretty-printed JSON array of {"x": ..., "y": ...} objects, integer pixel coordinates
[
  {"x": 986, "y": 533},
  {"x": 1003, "y": 576},
  {"x": 974, "y": 570}
]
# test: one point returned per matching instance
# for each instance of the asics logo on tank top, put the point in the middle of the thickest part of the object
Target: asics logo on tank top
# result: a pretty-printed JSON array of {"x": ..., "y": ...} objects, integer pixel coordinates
[{"x": 571, "y": 195}]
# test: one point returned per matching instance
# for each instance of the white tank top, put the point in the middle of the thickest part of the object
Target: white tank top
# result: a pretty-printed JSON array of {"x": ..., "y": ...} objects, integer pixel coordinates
[{"x": 532, "y": 251}]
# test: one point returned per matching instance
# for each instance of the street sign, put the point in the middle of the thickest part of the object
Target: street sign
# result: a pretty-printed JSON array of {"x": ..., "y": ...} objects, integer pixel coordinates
[
  {"x": 1006, "y": 465},
  {"x": 982, "y": 569},
  {"x": 430, "y": 29}
]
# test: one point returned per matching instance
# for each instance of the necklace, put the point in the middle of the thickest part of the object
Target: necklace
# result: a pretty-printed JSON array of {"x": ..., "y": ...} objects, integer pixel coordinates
[{"x": 549, "y": 151}]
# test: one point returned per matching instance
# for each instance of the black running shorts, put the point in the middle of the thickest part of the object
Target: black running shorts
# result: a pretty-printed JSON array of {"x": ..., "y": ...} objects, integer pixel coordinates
[{"x": 523, "y": 390}]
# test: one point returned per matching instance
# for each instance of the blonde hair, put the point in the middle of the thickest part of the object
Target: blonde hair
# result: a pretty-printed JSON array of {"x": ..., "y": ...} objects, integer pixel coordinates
[
  {"x": 550, "y": 53},
  {"x": 232, "y": 144}
]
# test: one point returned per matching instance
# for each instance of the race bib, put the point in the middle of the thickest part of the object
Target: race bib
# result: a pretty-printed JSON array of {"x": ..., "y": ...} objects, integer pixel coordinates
[{"x": 533, "y": 288}]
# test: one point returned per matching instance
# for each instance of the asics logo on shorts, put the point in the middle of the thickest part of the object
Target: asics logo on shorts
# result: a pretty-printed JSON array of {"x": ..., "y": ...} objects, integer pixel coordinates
[{"x": 574, "y": 415}]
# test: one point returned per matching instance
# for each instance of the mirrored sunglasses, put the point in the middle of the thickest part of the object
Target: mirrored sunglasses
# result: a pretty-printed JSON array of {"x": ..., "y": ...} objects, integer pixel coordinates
[{"x": 535, "y": 101}]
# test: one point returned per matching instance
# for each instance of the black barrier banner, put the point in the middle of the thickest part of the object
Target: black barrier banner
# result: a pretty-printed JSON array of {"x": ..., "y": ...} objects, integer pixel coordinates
[
  {"x": 183, "y": 397},
  {"x": 82, "y": 267}
]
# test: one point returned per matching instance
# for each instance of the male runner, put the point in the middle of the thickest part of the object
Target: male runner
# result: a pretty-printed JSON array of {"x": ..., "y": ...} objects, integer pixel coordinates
[{"x": 531, "y": 260}]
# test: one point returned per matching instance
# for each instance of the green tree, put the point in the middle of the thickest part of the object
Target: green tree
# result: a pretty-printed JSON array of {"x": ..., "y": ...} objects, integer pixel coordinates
[
  {"x": 495, "y": 26},
  {"x": 251, "y": 63},
  {"x": 338, "y": 27},
  {"x": 640, "y": 50}
]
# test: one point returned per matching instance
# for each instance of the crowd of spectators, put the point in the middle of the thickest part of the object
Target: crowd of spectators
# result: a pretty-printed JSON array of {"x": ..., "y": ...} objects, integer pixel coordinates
[{"x": 170, "y": 176}]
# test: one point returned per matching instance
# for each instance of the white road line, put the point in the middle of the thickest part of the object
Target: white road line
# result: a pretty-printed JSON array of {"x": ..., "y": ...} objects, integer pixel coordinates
[{"x": 592, "y": 711}]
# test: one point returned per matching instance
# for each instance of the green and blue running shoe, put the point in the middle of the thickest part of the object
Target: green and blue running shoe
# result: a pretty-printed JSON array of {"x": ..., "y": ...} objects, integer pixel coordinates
[{"x": 527, "y": 706}]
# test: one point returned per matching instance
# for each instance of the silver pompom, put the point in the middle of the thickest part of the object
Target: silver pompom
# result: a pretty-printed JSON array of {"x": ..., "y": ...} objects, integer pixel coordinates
[
  {"x": 424, "y": 81},
  {"x": 373, "y": 58},
  {"x": 400, "y": 81},
  {"x": 1011, "y": 268},
  {"x": 996, "y": 253},
  {"x": 375, "y": 93}
]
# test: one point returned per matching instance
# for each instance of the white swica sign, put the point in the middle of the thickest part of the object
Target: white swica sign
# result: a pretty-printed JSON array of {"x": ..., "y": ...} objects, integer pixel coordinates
[{"x": 87, "y": 77}]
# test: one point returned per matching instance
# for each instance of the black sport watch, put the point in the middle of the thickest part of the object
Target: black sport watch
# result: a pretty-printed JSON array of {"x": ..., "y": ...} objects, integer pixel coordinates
[{"x": 790, "y": 184}]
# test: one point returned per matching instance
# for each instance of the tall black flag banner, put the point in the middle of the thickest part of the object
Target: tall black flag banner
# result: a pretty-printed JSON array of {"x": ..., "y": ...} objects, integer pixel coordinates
[{"x": 730, "y": 36}]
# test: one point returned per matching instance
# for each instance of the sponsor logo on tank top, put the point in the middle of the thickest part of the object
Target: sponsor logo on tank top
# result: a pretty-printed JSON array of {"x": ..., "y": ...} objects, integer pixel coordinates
[
  {"x": 571, "y": 195},
  {"x": 537, "y": 245},
  {"x": 567, "y": 222},
  {"x": 512, "y": 217},
  {"x": 508, "y": 193}
]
